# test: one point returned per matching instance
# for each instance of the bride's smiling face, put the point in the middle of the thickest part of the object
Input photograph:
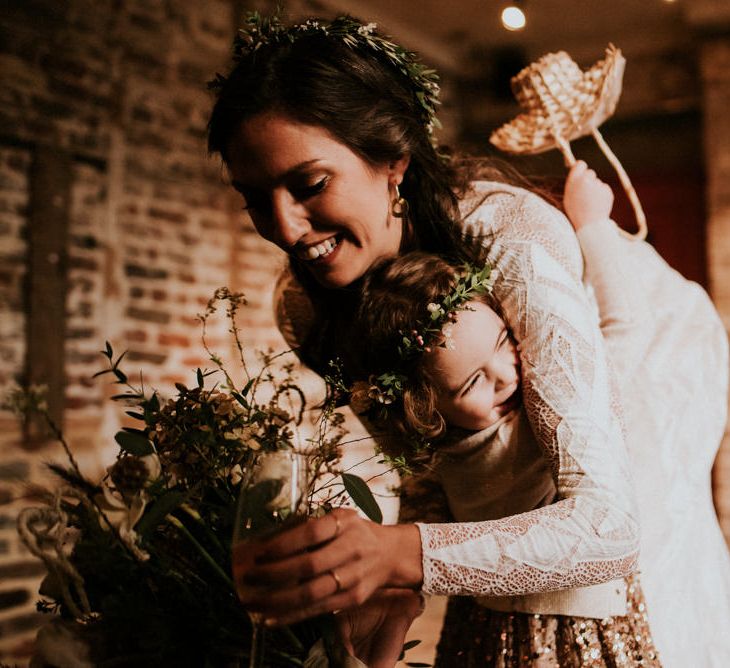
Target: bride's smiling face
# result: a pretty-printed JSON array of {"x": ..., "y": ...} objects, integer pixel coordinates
[{"x": 315, "y": 198}]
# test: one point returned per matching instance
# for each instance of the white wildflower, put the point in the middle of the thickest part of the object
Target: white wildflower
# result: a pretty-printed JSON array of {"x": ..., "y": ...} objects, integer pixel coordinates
[
  {"x": 122, "y": 517},
  {"x": 235, "y": 475},
  {"x": 367, "y": 29}
]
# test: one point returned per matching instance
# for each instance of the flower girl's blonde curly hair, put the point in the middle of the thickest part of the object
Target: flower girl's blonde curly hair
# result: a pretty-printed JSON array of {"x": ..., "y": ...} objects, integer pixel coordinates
[{"x": 394, "y": 295}]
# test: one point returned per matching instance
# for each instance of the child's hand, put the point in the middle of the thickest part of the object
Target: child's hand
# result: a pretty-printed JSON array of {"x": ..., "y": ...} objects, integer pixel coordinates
[{"x": 587, "y": 199}]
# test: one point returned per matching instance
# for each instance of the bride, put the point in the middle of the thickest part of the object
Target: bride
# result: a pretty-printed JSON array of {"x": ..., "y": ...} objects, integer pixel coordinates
[{"x": 325, "y": 129}]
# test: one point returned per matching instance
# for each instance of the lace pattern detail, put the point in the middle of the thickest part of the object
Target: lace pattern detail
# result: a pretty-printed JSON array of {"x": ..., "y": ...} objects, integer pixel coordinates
[{"x": 590, "y": 534}]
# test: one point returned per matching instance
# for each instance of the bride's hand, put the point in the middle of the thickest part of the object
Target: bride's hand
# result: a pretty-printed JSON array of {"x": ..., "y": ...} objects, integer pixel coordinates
[
  {"x": 375, "y": 631},
  {"x": 331, "y": 563}
]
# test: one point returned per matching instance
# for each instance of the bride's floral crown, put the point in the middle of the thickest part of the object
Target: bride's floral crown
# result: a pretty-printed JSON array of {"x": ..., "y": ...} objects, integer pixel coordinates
[
  {"x": 259, "y": 31},
  {"x": 433, "y": 330}
]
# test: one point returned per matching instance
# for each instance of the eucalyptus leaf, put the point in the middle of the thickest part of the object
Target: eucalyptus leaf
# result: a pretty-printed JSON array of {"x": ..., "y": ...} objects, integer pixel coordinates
[
  {"x": 121, "y": 376},
  {"x": 119, "y": 359},
  {"x": 132, "y": 430},
  {"x": 158, "y": 510},
  {"x": 153, "y": 403},
  {"x": 360, "y": 493},
  {"x": 240, "y": 399},
  {"x": 134, "y": 443}
]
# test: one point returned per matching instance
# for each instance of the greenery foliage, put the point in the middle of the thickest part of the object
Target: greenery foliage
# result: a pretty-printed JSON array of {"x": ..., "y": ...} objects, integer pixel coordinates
[
  {"x": 259, "y": 31},
  {"x": 140, "y": 560}
]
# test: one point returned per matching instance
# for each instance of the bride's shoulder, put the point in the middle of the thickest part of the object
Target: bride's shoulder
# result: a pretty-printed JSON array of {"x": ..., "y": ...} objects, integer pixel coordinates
[
  {"x": 481, "y": 191},
  {"x": 492, "y": 205},
  {"x": 503, "y": 216}
]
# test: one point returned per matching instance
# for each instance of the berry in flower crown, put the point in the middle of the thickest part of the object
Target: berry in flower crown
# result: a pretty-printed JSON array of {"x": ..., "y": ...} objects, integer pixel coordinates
[
  {"x": 429, "y": 332},
  {"x": 260, "y": 31}
]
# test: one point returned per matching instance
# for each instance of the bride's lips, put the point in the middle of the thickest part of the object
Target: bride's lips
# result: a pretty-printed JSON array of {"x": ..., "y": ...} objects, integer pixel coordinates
[{"x": 319, "y": 252}]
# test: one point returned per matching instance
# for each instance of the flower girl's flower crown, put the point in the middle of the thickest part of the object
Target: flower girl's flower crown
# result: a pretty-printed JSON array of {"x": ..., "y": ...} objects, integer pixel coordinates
[
  {"x": 433, "y": 330},
  {"x": 259, "y": 31}
]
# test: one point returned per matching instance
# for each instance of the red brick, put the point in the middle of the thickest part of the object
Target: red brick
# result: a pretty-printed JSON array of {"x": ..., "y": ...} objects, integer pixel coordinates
[
  {"x": 143, "y": 356},
  {"x": 195, "y": 362},
  {"x": 176, "y": 378},
  {"x": 78, "y": 403},
  {"x": 167, "y": 215},
  {"x": 175, "y": 340},
  {"x": 136, "y": 336}
]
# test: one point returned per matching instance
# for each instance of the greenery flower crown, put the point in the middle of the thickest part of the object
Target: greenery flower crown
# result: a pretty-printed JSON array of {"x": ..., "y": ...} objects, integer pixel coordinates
[
  {"x": 433, "y": 330},
  {"x": 259, "y": 31}
]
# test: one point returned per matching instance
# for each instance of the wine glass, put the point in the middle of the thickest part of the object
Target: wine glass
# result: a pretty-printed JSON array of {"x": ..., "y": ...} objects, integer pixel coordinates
[{"x": 274, "y": 493}]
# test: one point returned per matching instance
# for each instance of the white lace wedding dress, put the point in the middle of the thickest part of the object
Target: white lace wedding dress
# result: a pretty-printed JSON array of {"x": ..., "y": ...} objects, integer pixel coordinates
[
  {"x": 630, "y": 461},
  {"x": 669, "y": 350}
]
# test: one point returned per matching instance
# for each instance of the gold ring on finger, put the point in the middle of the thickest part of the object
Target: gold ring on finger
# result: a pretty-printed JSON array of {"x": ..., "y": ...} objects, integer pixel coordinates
[{"x": 336, "y": 577}]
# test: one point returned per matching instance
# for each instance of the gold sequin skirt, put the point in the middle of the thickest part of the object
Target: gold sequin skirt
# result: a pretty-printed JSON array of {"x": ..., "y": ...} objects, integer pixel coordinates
[{"x": 476, "y": 637}]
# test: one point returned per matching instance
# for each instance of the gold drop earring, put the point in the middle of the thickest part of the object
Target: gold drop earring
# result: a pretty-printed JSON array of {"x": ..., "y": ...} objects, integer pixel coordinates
[{"x": 399, "y": 206}]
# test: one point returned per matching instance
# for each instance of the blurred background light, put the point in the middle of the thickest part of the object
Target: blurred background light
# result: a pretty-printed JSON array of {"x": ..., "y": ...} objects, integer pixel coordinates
[{"x": 513, "y": 17}]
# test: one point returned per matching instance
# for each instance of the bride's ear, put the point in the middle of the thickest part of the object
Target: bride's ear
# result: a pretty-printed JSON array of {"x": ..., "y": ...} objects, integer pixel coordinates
[{"x": 397, "y": 168}]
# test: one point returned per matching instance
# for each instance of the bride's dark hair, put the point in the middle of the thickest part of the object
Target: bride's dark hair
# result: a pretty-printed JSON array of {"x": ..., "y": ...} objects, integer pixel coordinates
[
  {"x": 365, "y": 103},
  {"x": 368, "y": 105}
]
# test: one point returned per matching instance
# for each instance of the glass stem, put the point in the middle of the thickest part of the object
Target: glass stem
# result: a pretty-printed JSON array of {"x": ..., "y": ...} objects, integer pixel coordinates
[{"x": 258, "y": 646}]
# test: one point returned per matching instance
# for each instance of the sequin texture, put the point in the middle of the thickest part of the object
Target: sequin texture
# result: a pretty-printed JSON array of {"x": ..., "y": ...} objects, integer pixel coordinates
[{"x": 475, "y": 637}]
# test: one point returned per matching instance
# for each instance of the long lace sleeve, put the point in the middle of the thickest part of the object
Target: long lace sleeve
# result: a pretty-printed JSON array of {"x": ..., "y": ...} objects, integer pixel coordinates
[{"x": 590, "y": 534}]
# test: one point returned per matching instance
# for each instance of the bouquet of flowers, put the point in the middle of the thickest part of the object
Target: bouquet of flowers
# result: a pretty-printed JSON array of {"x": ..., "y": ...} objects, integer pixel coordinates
[{"x": 139, "y": 562}]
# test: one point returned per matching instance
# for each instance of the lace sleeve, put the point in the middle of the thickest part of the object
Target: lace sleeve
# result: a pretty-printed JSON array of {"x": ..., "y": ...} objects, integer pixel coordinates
[{"x": 589, "y": 535}]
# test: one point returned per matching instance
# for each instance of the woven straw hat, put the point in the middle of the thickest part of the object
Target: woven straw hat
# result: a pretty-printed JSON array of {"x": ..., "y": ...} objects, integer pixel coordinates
[{"x": 563, "y": 103}]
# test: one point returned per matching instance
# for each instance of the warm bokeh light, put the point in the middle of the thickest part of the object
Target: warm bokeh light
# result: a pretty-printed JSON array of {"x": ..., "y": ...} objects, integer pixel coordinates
[{"x": 513, "y": 18}]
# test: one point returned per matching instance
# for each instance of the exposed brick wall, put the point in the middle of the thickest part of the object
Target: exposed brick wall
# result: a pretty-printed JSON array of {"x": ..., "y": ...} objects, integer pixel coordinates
[
  {"x": 13, "y": 203},
  {"x": 120, "y": 87},
  {"x": 18, "y": 575}
]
